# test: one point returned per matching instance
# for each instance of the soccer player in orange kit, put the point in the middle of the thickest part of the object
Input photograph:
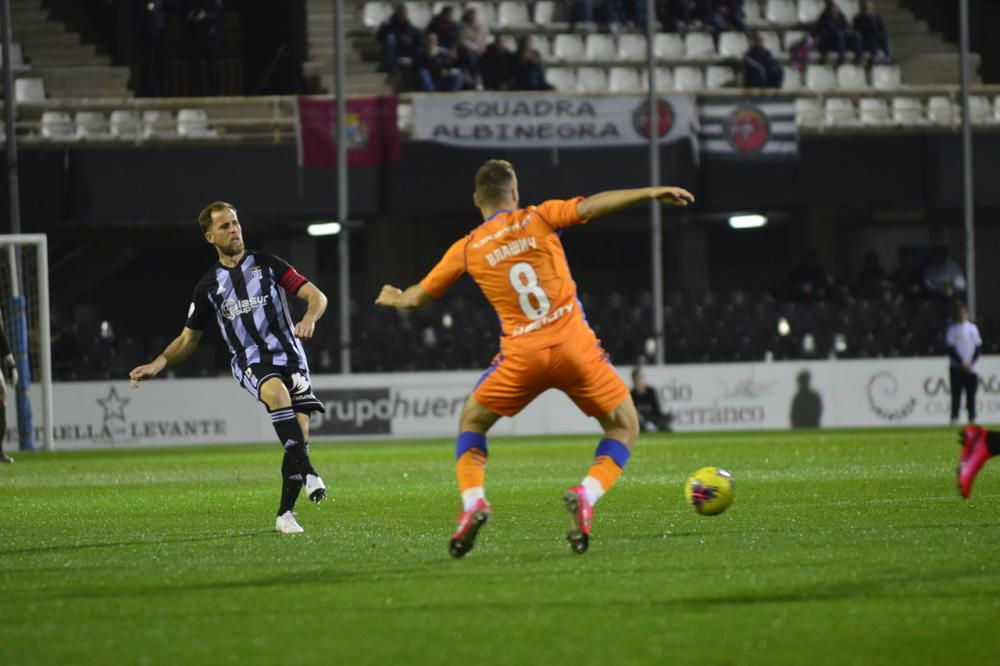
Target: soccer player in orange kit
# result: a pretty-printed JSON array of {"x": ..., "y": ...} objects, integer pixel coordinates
[{"x": 517, "y": 259}]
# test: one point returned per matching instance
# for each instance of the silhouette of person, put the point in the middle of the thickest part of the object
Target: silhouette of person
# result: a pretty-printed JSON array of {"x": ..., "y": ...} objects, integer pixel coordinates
[{"x": 807, "y": 405}]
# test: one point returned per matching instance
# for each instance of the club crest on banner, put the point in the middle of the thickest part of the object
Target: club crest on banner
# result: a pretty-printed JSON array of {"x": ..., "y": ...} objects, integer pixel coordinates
[
  {"x": 665, "y": 118},
  {"x": 747, "y": 129}
]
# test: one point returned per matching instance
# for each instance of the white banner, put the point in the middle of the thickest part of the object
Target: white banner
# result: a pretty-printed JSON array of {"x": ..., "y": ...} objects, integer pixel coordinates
[
  {"x": 712, "y": 397},
  {"x": 548, "y": 120}
]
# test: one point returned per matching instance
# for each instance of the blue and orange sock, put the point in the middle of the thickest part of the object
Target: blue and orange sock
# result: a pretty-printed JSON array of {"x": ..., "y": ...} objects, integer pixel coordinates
[
  {"x": 470, "y": 467},
  {"x": 610, "y": 459}
]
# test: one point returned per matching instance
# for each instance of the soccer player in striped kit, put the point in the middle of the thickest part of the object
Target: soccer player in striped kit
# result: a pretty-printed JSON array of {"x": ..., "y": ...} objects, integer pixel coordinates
[
  {"x": 246, "y": 294},
  {"x": 517, "y": 259}
]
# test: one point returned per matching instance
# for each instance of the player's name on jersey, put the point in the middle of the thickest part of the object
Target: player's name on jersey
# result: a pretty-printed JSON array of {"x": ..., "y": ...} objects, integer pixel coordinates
[{"x": 512, "y": 249}]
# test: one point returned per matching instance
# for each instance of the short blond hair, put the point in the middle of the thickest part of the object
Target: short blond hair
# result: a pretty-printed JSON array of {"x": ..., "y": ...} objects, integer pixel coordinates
[
  {"x": 205, "y": 216},
  {"x": 494, "y": 180}
]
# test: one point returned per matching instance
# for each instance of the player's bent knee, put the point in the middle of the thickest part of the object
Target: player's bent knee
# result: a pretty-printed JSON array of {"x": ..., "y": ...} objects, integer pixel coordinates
[
  {"x": 476, "y": 417},
  {"x": 274, "y": 394},
  {"x": 622, "y": 423}
]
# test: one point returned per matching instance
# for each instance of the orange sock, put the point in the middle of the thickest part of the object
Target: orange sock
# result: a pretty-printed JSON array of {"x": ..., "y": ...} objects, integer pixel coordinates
[
  {"x": 470, "y": 467},
  {"x": 609, "y": 461}
]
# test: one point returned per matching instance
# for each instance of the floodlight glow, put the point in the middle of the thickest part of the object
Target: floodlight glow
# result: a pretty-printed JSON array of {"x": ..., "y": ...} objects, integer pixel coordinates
[
  {"x": 747, "y": 221},
  {"x": 323, "y": 229}
]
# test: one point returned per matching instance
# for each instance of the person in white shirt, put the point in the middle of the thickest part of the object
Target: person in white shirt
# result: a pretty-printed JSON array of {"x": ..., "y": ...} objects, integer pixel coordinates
[
  {"x": 964, "y": 346},
  {"x": 943, "y": 277}
]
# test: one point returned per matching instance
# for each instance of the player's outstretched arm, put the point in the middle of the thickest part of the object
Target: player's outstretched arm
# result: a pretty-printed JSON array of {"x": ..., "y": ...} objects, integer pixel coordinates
[
  {"x": 613, "y": 201},
  {"x": 178, "y": 350},
  {"x": 317, "y": 300},
  {"x": 413, "y": 298}
]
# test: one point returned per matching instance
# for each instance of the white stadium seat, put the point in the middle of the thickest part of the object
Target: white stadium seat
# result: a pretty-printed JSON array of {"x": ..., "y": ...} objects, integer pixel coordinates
[
  {"x": 940, "y": 110},
  {"x": 699, "y": 45},
  {"x": 907, "y": 111},
  {"x": 419, "y": 14},
  {"x": 772, "y": 42},
  {"x": 808, "y": 112},
  {"x": 592, "y": 79},
  {"x": 996, "y": 108},
  {"x": 664, "y": 79},
  {"x": 781, "y": 12},
  {"x": 668, "y": 46},
  {"x": 874, "y": 111},
  {"x": 485, "y": 11},
  {"x": 809, "y": 10},
  {"x": 91, "y": 125},
  {"x": 719, "y": 76},
  {"x": 373, "y": 13},
  {"x": 632, "y": 48},
  {"x": 733, "y": 44},
  {"x": 547, "y": 12},
  {"x": 29, "y": 90},
  {"x": 689, "y": 78},
  {"x": 840, "y": 111},
  {"x": 57, "y": 125},
  {"x": 754, "y": 17},
  {"x": 792, "y": 36},
  {"x": 849, "y": 8},
  {"x": 563, "y": 79},
  {"x": 513, "y": 14},
  {"x": 851, "y": 77},
  {"x": 980, "y": 110},
  {"x": 886, "y": 77},
  {"x": 193, "y": 123},
  {"x": 124, "y": 124},
  {"x": 157, "y": 124},
  {"x": 600, "y": 47},
  {"x": 626, "y": 80},
  {"x": 542, "y": 44},
  {"x": 820, "y": 77},
  {"x": 792, "y": 79},
  {"x": 568, "y": 47}
]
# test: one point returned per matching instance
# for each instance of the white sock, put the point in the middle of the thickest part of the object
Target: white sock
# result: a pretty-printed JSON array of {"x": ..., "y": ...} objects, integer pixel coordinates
[
  {"x": 592, "y": 490},
  {"x": 471, "y": 496}
]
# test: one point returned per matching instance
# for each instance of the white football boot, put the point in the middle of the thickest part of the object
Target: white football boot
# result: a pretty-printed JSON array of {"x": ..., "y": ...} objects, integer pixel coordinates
[
  {"x": 286, "y": 524},
  {"x": 315, "y": 488}
]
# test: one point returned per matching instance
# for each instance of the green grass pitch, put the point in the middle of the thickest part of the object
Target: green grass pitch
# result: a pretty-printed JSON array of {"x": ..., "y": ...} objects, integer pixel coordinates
[{"x": 842, "y": 547}]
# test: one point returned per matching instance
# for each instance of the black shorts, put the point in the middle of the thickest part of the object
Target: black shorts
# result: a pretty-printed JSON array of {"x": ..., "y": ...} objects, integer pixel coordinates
[{"x": 295, "y": 380}]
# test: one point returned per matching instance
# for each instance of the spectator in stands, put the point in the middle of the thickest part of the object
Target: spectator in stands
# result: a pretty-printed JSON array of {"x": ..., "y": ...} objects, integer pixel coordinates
[
  {"x": 761, "y": 68},
  {"x": 399, "y": 38},
  {"x": 151, "y": 29},
  {"x": 799, "y": 50},
  {"x": 873, "y": 282},
  {"x": 908, "y": 279},
  {"x": 871, "y": 29},
  {"x": 942, "y": 276},
  {"x": 675, "y": 14},
  {"x": 446, "y": 28},
  {"x": 836, "y": 34},
  {"x": 473, "y": 38},
  {"x": 497, "y": 65},
  {"x": 203, "y": 19},
  {"x": 529, "y": 74},
  {"x": 647, "y": 405},
  {"x": 436, "y": 70},
  {"x": 808, "y": 280},
  {"x": 727, "y": 15}
]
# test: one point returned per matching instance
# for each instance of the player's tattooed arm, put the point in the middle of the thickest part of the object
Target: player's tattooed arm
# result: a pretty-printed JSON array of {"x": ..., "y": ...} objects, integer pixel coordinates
[
  {"x": 605, "y": 203},
  {"x": 178, "y": 350},
  {"x": 317, "y": 300},
  {"x": 413, "y": 298}
]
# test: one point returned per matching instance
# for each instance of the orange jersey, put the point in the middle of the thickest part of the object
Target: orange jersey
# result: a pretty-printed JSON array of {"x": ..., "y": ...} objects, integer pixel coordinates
[{"x": 518, "y": 261}]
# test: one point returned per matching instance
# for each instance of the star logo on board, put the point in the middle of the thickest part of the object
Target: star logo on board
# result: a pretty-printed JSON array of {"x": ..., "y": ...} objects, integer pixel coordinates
[{"x": 113, "y": 405}]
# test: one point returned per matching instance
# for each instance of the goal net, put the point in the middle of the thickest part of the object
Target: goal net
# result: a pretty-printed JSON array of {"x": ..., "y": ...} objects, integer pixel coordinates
[{"x": 24, "y": 302}]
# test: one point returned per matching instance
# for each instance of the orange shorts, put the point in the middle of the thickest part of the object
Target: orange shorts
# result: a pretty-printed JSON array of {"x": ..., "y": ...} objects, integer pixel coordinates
[{"x": 580, "y": 368}]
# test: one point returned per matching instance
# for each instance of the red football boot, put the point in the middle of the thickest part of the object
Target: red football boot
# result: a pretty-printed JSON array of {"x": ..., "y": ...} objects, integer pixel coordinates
[
  {"x": 975, "y": 453},
  {"x": 581, "y": 514},
  {"x": 469, "y": 523}
]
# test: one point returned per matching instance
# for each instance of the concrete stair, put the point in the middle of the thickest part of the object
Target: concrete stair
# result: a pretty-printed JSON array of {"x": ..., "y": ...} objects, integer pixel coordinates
[
  {"x": 362, "y": 77},
  {"x": 924, "y": 56},
  {"x": 69, "y": 66}
]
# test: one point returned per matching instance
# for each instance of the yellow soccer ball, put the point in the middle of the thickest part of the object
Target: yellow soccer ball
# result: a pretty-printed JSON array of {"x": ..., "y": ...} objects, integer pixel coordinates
[{"x": 710, "y": 490}]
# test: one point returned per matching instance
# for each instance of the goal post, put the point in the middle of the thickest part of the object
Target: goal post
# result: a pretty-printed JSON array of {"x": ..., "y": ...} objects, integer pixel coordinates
[{"x": 24, "y": 301}]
